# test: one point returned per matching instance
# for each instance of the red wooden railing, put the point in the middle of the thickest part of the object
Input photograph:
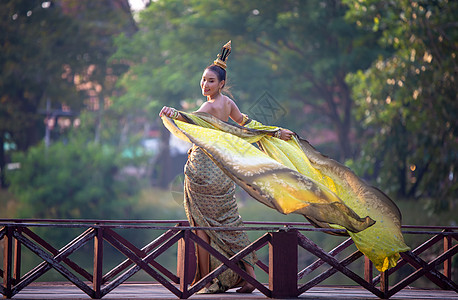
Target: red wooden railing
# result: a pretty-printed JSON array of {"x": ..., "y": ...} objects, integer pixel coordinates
[{"x": 284, "y": 240}]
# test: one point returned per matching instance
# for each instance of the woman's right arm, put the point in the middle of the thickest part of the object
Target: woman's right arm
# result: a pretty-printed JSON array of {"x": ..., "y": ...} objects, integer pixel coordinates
[{"x": 171, "y": 113}]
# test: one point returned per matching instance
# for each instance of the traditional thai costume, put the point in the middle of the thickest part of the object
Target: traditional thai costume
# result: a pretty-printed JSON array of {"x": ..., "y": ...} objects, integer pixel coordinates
[
  {"x": 209, "y": 201},
  {"x": 289, "y": 176},
  {"x": 292, "y": 177}
]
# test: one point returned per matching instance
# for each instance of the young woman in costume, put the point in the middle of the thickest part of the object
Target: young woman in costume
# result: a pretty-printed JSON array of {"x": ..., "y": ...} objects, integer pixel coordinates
[
  {"x": 209, "y": 193},
  {"x": 284, "y": 172}
]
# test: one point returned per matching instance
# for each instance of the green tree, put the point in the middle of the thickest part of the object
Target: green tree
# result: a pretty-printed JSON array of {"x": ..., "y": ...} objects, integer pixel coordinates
[
  {"x": 308, "y": 48},
  {"x": 30, "y": 44},
  {"x": 166, "y": 61},
  {"x": 300, "y": 51},
  {"x": 407, "y": 101},
  {"x": 79, "y": 179},
  {"x": 56, "y": 51},
  {"x": 102, "y": 21}
]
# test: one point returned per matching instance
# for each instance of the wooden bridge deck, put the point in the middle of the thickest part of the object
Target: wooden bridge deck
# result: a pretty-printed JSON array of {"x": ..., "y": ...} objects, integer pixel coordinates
[{"x": 139, "y": 291}]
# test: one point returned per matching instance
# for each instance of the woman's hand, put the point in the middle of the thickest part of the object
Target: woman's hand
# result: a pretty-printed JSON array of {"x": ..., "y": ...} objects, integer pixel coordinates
[
  {"x": 171, "y": 113},
  {"x": 167, "y": 111},
  {"x": 285, "y": 134}
]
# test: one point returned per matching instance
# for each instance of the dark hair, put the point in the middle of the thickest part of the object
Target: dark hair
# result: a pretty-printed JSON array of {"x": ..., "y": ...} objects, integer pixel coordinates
[{"x": 220, "y": 72}]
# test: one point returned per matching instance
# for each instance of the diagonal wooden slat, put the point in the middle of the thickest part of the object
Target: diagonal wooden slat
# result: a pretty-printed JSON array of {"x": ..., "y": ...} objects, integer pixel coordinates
[
  {"x": 230, "y": 263},
  {"x": 2, "y": 234},
  {"x": 209, "y": 277},
  {"x": 129, "y": 273},
  {"x": 423, "y": 268},
  {"x": 142, "y": 254},
  {"x": 148, "y": 248},
  {"x": 317, "y": 251},
  {"x": 68, "y": 249},
  {"x": 326, "y": 274},
  {"x": 142, "y": 264},
  {"x": 420, "y": 249},
  {"x": 55, "y": 252},
  {"x": 315, "y": 265},
  {"x": 56, "y": 264},
  {"x": 259, "y": 263},
  {"x": 263, "y": 266},
  {"x": 42, "y": 268}
]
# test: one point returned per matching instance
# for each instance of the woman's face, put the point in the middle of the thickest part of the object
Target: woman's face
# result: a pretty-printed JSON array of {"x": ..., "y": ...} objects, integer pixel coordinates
[{"x": 210, "y": 84}]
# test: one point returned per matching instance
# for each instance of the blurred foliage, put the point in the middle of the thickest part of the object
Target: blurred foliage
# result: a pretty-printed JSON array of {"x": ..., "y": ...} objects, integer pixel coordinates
[
  {"x": 306, "y": 48},
  {"x": 389, "y": 65},
  {"x": 8, "y": 203},
  {"x": 56, "y": 52},
  {"x": 33, "y": 53},
  {"x": 299, "y": 51},
  {"x": 75, "y": 180},
  {"x": 407, "y": 101}
]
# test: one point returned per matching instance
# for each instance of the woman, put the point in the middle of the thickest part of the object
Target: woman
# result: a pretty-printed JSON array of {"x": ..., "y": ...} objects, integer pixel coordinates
[
  {"x": 286, "y": 174},
  {"x": 209, "y": 193}
]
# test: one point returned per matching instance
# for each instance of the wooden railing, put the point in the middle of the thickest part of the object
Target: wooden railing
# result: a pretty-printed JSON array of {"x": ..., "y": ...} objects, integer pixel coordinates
[{"x": 284, "y": 241}]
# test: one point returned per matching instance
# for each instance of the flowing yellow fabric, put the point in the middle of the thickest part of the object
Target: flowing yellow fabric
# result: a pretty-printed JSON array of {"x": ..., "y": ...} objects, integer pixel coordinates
[{"x": 292, "y": 177}]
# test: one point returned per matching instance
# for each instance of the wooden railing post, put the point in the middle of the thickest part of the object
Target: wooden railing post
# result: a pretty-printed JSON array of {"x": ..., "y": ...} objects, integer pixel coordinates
[
  {"x": 17, "y": 260},
  {"x": 185, "y": 276},
  {"x": 384, "y": 283},
  {"x": 368, "y": 267},
  {"x": 186, "y": 260},
  {"x": 447, "y": 262},
  {"x": 8, "y": 262},
  {"x": 98, "y": 263},
  {"x": 283, "y": 264}
]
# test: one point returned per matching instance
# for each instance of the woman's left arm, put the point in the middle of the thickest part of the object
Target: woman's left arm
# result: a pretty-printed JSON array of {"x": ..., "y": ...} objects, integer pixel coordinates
[
  {"x": 238, "y": 117},
  {"x": 235, "y": 113},
  {"x": 284, "y": 134}
]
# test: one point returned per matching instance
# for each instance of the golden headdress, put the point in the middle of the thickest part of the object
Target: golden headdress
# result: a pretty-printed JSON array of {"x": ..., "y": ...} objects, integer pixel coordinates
[{"x": 222, "y": 57}]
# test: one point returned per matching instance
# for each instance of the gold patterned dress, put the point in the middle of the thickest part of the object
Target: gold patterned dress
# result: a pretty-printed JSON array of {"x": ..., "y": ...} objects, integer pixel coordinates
[{"x": 209, "y": 201}]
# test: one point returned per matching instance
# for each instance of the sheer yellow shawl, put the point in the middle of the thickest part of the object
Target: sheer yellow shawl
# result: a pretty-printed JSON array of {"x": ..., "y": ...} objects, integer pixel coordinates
[{"x": 292, "y": 177}]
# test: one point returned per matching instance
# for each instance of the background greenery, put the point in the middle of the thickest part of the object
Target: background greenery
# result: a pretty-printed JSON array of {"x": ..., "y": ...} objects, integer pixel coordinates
[{"x": 369, "y": 83}]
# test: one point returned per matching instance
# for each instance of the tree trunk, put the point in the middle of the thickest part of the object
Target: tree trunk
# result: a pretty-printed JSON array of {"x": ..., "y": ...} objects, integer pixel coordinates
[
  {"x": 2, "y": 161},
  {"x": 165, "y": 161},
  {"x": 339, "y": 103}
]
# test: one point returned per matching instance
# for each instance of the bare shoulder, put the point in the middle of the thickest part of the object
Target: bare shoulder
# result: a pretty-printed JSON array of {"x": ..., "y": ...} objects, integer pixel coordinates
[
  {"x": 230, "y": 102},
  {"x": 205, "y": 107}
]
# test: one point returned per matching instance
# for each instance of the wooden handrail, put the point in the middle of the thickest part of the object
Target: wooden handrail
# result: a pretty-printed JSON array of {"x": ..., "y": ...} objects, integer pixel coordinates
[{"x": 303, "y": 226}]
